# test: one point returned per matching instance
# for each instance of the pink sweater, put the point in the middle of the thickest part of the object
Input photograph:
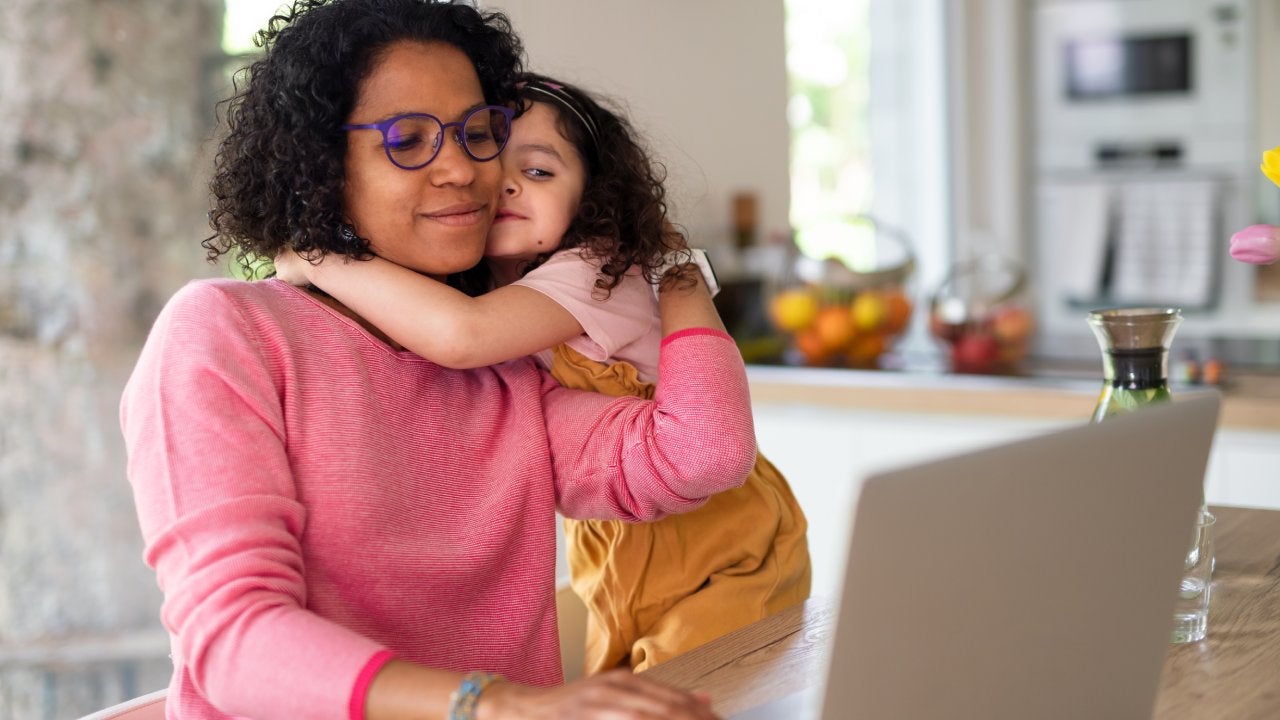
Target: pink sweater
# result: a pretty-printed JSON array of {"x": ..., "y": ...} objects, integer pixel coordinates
[{"x": 314, "y": 502}]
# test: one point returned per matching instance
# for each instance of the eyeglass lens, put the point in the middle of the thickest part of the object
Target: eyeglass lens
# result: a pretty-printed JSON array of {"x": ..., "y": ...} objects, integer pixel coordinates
[{"x": 413, "y": 141}]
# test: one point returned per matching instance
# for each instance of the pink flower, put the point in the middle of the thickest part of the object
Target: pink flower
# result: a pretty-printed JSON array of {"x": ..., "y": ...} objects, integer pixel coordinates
[{"x": 1256, "y": 244}]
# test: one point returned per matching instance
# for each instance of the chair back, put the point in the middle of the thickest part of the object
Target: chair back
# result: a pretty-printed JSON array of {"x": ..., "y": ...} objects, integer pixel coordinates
[{"x": 143, "y": 707}]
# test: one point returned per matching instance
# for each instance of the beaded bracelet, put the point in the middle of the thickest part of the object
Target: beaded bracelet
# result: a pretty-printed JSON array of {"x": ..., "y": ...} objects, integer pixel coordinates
[{"x": 462, "y": 702}]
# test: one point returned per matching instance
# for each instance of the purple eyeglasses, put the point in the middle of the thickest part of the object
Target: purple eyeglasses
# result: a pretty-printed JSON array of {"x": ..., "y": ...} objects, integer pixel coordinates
[{"x": 413, "y": 140}]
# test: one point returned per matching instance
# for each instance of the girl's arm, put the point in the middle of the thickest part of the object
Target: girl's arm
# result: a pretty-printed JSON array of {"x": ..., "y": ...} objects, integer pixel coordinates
[
  {"x": 640, "y": 461},
  {"x": 688, "y": 304},
  {"x": 443, "y": 325}
]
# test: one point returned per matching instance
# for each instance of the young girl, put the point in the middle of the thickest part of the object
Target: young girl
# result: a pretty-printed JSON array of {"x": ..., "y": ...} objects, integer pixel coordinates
[{"x": 579, "y": 238}]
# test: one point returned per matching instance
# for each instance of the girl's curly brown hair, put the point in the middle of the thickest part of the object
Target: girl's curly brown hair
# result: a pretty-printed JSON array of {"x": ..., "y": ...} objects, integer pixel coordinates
[
  {"x": 622, "y": 219},
  {"x": 278, "y": 174}
]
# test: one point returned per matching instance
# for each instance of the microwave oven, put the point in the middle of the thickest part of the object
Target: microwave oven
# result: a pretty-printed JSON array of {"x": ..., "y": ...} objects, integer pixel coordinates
[{"x": 1132, "y": 65}]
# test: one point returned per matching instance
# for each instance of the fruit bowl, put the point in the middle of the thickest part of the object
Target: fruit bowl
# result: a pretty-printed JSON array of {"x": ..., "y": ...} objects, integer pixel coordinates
[
  {"x": 835, "y": 316},
  {"x": 979, "y": 313}
]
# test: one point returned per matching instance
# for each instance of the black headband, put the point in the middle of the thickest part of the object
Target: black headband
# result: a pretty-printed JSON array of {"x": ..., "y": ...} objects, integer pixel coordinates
[{"x": 557, "y": 94}]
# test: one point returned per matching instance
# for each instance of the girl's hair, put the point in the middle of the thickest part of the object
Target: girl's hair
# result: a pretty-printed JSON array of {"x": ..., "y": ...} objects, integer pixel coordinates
[
  {"x": 622, "y": 219},
  {"x": 279, "y": 172}
]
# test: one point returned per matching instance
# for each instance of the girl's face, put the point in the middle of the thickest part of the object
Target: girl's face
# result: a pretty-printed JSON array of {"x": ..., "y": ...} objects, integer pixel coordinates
[
  {"x": 434, "y": 219},
  {"x": 543, "y": 178}
]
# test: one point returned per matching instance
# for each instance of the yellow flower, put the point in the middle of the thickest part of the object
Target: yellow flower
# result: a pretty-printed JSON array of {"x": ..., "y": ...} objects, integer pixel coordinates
[{"x": 1271, "y": 164}]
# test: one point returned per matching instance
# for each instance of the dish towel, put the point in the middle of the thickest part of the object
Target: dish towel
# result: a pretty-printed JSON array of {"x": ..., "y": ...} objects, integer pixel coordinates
[
  {"x": 1164, "y": 243},
  {"x": 1074, "y": 222}
]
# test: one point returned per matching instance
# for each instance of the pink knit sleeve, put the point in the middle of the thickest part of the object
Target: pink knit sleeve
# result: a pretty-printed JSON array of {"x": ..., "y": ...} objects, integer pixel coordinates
[
  {"x": 222, "y": 523},
  {"x": 640, "y": 460}
]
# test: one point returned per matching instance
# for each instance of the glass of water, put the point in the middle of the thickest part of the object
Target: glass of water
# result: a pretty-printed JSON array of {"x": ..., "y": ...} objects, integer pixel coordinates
[{"x": 1191, "y": 614}]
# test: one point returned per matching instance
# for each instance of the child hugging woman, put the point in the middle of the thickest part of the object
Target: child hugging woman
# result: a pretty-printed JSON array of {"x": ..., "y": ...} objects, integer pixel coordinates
[{"x": 580, "y": 239}]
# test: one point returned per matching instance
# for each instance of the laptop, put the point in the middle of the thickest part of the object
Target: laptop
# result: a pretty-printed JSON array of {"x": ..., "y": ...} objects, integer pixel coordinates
[{"x": 1034, "y": 579}]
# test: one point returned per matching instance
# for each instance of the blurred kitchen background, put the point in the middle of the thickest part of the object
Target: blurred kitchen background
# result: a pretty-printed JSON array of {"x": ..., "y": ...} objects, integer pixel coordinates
[{"x": 948, "y": 184}]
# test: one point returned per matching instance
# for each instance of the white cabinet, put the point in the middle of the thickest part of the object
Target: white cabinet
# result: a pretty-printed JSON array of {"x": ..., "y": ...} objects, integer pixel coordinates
[
  {"x": 824, "y": 452},
  {"x": 1244, "y": 469}
]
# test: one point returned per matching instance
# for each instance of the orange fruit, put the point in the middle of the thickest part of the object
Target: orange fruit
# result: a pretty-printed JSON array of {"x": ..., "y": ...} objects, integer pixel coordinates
[
  {"x": 835, "y": 327},
  {"x": 866, "y": 349},
  {"x": 811, "y": 346},
  {"x": 898, "y": 311}
]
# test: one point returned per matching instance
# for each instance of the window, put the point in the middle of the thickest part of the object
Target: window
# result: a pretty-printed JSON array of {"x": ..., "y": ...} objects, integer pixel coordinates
[
  {"x": 867, "y": 109},
  {"x": 828, "y": 49}
]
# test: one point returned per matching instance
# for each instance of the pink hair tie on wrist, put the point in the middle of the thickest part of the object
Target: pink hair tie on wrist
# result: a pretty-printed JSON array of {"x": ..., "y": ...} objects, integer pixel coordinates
[{"x": 1256, "y": 245}]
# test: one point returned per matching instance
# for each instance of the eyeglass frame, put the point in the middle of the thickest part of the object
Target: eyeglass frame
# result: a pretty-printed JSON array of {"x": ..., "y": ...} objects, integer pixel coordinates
[{"x": 458, "y": 135}]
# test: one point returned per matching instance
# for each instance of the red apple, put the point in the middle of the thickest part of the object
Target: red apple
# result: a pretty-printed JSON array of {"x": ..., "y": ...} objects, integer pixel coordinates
[{"x": 975, "y": 353}]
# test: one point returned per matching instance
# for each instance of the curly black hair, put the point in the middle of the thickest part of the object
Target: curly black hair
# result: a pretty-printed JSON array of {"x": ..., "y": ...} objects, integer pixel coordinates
[
  {"x": 278, "y": 173},
  {"x": 622, "y": 218}
]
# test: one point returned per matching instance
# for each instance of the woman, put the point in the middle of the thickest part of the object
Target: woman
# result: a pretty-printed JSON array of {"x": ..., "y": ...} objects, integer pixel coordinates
[{"x": 341, "y": 528}]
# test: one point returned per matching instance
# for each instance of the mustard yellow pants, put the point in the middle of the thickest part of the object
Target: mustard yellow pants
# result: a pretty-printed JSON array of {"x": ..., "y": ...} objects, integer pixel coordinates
[{"x": 656, "y": 590}]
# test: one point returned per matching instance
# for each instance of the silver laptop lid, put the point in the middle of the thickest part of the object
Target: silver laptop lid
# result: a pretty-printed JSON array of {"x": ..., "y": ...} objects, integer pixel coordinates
[{"x": 1030, "y": 580}]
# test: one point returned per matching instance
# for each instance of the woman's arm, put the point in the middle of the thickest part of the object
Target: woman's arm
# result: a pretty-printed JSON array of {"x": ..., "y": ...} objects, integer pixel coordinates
[
  {"x": 218, "y": 508},
  {"x": 443, "y": 325}
]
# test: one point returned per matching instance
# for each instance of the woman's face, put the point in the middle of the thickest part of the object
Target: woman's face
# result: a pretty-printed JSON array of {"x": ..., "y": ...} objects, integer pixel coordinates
[
  {"x": 543, "y": 177},
  {"x": 433, "y": 219}
]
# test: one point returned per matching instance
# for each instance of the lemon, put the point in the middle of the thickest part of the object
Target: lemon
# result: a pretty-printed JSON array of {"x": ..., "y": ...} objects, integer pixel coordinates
[
  {"x": 793, "y": 310},
  {"x": 869, "y": 311}
]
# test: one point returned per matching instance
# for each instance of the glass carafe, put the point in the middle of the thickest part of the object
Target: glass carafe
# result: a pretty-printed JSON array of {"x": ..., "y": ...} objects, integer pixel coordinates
[
  {"x": 1135, "y": 356},
  {"x": 1135, "y": 359}
]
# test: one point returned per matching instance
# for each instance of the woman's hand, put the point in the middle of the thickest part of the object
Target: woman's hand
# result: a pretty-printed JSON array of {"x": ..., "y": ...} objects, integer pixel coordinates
[
  {"x": 292, "y": 268},
  {"x": 613, "y": 695}
]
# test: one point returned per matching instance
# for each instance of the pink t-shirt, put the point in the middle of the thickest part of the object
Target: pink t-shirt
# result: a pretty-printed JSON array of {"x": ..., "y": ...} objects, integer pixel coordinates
[
  {"x": 623, "y": 326},
  {"x": 315, "y": 502}
]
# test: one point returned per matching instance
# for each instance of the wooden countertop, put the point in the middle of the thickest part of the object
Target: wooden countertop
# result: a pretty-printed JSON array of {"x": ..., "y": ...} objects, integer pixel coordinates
[
  {"x": 1233, "y": 673},
  {"x": 1250, "y": 402}
]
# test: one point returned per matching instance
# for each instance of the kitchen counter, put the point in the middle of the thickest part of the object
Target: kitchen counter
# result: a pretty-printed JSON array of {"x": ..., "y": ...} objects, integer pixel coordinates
[{"x": 1251, "y": 401}]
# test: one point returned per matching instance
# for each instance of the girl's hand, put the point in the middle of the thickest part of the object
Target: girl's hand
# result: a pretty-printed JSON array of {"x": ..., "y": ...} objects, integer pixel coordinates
[
  {"x": 612, "y": 695},
  {"x": 292, "y": 268}
]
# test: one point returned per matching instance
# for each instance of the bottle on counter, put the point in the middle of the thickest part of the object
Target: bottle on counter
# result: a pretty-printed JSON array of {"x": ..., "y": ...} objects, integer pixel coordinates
[
  {"x": 745, "y": 219},
  {"x": 1135, "y": 356}
]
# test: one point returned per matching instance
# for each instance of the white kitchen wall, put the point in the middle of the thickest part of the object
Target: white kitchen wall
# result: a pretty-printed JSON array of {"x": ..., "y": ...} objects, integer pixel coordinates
[{"x": 705, "y": 81}]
